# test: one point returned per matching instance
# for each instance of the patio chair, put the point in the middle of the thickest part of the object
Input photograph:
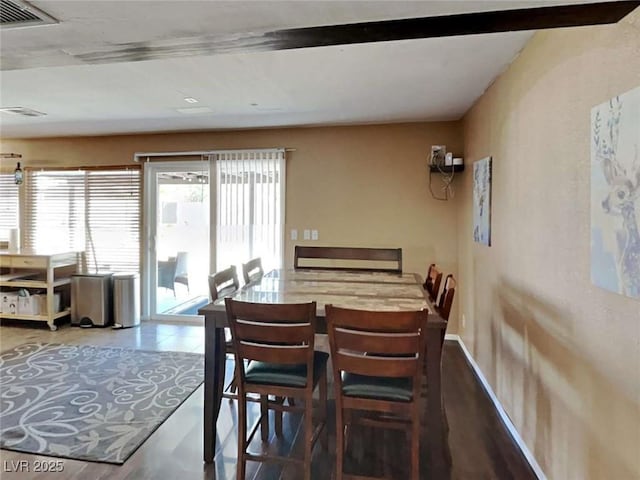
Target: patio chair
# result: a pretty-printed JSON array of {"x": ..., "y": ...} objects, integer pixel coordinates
[{"x": 174, "y": 270}]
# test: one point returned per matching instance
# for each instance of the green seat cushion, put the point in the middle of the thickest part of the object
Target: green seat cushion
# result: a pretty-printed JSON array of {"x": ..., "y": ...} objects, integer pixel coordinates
[
  {"x": 378, "y": 388},
  {"x": 286, "y": 375}
]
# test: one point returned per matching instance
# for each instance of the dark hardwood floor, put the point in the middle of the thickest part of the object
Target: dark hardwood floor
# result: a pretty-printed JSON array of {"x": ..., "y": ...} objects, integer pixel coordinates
[{"x": 480, "y": 446}]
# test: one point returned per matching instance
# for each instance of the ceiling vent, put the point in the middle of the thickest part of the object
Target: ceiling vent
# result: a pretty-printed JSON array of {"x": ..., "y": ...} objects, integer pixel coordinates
[
  {"x": 18, "y": 13},
  {"x": 25, "y": 112}
]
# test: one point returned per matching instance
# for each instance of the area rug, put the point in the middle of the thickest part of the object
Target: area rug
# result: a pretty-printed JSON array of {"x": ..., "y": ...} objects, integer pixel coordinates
[{"x": 87, "y": 402}]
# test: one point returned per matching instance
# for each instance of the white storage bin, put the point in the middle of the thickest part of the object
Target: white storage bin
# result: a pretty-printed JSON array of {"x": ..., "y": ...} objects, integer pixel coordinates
[
  {"x": 42, "y": 301},
  {"x": 29, "y": 305}
]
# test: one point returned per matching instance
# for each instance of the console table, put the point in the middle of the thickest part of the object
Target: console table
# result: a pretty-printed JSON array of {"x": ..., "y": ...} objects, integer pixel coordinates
[{"x": 38, "y": 270}]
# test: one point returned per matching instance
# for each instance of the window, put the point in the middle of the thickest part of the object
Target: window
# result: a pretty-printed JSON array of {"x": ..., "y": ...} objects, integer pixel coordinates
[
  {"x": 95, "y": 211},
  {"x": 250, "y": 207},
  {"x": 8, "y": 205}
]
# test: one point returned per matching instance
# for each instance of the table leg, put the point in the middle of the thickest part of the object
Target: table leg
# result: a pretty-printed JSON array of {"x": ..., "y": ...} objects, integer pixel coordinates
[{"x": 214, "y": 367}]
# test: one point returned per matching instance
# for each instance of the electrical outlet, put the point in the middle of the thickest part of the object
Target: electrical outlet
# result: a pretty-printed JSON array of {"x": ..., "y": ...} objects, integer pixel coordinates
[
  {"x": 464, "y": 321},
  {"x": 294, "y": 234},
  {"x": 306, "y": 234},
  {"x": 314, "y": 234}
]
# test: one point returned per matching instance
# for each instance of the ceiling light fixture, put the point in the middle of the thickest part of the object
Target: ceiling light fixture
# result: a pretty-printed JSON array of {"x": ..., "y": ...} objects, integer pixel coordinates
[
  {"x": 194, "y": 110},
  {"x": 190, "y": 100},
  {"x": 18, "y": 176}
]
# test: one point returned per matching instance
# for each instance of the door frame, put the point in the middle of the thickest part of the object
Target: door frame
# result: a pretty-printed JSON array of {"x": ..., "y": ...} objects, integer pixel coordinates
[{"x": 149, "y": 256}]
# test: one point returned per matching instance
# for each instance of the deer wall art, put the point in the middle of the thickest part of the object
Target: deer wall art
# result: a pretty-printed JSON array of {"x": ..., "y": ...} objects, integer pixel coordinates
[{"x": 615, "y": 194}]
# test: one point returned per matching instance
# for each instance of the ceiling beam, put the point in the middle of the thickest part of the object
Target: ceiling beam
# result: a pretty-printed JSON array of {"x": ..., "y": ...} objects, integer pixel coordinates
[
  {"x": 455, "y": 25},
  {"x": 367, "y": 32}
]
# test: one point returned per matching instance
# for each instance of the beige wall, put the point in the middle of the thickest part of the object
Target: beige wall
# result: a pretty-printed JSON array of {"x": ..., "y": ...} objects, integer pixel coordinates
[
  {"x": 362, "y": 186},
  {"x": 562, "y": 355}
]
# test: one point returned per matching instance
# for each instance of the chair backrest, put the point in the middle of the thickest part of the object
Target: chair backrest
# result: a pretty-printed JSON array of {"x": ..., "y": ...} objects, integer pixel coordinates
[
  {"x": 182, "y": 266},
  {"x": 223, "y": 283},
  {"x": 428, "y": 280},
  {"x": 446, "y": 297},
  {"x": 432, "y": 283},
  {"x": 381, "y": 257},
  {"x": 272, "y": 333},
  {"x": 252, "y": 271},
  {"x": 379, "y": 344},
  {"x": 167, "y": 273}
]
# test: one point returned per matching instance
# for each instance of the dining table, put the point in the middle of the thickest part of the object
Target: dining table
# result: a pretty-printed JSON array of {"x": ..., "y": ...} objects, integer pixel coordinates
[{"x": 349, "y": 289}]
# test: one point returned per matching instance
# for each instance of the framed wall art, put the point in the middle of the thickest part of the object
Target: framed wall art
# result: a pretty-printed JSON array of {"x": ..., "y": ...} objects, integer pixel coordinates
[
  {"x": 615, "y": 194},
  {"x": 482, "y": 201}
]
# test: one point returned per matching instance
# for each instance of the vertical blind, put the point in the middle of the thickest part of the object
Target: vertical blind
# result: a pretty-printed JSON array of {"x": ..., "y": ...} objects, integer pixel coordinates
[
  {"x": 250, "y": 207},
  {"x": 8, "y": 205},
  {"x": 95, "y": 211}
]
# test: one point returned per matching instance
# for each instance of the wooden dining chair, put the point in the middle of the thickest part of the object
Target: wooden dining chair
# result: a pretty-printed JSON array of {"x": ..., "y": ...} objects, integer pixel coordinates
[
  {"x": 432, "y": 282},
  {"x": 252, "y": 271},
  {"x": 278, "y": 341},
  {"x": 222, "y": 284},
  {"x": 446, "y": 297},
  {"x": 363, "y": 259},
  {"x": 377, "y": 367},
  {"x": 443, "y": 308}
]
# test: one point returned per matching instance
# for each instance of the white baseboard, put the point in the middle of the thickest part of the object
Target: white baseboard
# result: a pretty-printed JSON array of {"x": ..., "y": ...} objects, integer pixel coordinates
[{"x": 503, "y": 415}]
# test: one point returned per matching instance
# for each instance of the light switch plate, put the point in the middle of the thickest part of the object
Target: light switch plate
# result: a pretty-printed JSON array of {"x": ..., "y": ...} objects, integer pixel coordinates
[
  {"x": 314, "y": 234},
  {"x": 294, "y": 234},
  {"x": 306, "y": 234}
]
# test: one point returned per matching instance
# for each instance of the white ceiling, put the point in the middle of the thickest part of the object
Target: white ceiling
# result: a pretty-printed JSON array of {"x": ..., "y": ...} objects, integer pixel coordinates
[{"x": 411, "y": 80}]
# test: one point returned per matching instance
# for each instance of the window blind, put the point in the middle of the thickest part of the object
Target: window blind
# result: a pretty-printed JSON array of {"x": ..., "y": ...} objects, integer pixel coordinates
[
  {"x": 8, "y": 205},
  {"x": 95, "y": 211},
  {"x": 250, "y": 207}
]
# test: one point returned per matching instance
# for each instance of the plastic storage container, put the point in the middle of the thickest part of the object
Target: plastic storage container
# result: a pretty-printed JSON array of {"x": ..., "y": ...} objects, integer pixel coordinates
[
  {"x": 126, "y": 300},
  {"x": 91, "y": 299}
]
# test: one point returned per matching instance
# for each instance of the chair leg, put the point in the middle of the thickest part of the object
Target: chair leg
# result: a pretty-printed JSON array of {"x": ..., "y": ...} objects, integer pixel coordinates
[
  {"x": 232, "y": 387},
  {"x": 308, "y": 436},
  {"x": 346, "y": 421},
  {"x": 324, "y": 436},
  {"x": 242, "y": 437},
  {"x": 339, "y": 441},
  {"x": 264, "y": 418},
  {"x": 415, "y": 450},
  {"x": 278, "y": 418}
]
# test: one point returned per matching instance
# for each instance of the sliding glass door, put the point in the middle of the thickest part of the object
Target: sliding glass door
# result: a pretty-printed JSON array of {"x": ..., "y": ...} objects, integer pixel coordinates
[
  {"x": 203, "y": 216},
  {"x": 177, "y": 206}
]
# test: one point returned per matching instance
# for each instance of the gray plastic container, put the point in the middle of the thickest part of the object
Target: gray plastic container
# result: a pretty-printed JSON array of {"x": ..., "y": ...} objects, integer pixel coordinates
[
  {"x": 91, "y": 299},
  {"x": 126, "y": 300}
]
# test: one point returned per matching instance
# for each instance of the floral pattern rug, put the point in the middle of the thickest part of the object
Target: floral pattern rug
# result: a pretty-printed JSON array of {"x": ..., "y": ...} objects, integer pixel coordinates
[{"x": 87, "y": 402}]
